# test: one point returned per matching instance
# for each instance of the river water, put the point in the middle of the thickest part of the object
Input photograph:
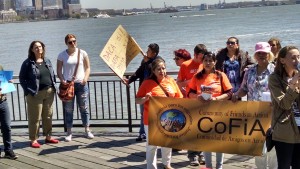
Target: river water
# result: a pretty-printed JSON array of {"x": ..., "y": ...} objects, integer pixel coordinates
[{"x": 211, "y": 27}]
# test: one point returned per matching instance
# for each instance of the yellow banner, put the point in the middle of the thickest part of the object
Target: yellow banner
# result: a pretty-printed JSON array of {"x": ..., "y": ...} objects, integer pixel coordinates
[
  {"x": 217, "y": 126},
  {"x": 118, "y": 52}
]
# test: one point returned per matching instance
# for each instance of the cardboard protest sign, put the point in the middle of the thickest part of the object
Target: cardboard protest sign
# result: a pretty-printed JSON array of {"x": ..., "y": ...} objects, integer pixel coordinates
[{"x": 118, "y": 52}]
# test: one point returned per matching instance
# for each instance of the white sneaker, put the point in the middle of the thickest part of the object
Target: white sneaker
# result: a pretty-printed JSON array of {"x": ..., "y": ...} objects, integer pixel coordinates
[
  {"x": 68, "y": 138},
  {"x": 89, "y": 135}
]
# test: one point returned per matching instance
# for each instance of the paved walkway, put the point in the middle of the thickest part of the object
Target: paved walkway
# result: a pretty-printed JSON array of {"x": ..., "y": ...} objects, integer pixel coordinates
[{"x": 111, "y": 148}]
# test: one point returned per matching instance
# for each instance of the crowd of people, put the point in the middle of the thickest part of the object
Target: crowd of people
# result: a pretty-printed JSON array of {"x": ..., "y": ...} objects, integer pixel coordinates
[
  {"x": 228, "y": 74},
  {"x": 231, "y": 74}
]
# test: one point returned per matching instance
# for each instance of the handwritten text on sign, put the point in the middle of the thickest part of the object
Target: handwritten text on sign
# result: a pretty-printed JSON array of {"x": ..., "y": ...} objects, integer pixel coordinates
[{"x": 120, "y": 49}]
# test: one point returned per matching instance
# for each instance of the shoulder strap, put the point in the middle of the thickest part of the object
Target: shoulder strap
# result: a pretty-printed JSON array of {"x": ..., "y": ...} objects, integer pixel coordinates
[
  {"x": 166, "y": 93},
  {"x": 276, "y": 121},
  {"x": 221, "y": 81},
  {"x": 75, "y": 72}
]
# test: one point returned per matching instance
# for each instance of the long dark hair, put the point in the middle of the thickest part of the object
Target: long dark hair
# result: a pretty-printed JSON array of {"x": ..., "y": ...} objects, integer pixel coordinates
[
  {"x": 279, "y": 68},
  {"x": 31, "y": 55},
  {"x": 223, "y": 53},
  {"x": 200, "y": 74}
]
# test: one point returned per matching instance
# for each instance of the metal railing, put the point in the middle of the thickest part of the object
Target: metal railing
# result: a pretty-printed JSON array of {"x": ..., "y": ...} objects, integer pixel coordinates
[{"x": 111, "y": 104}]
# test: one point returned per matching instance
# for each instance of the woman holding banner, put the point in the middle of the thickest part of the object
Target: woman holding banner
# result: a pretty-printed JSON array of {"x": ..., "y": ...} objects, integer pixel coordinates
[
  {"x": 208, "y": 85},
  {"x": 255, "y": 86},
  {"x": 158, "y": 84},
  {"x": 284, "y": 85}
]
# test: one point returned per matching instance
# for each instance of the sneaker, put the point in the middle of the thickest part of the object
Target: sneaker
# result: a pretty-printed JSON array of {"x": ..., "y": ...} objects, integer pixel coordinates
[
  {"x": 201, "y": 160},
  {"x": 68, "y": 138},
  {"x": 168, "y": 167},
  {"x": 194, "y": 161},
  {"x": 141, "y": 138},
  {"x": 174, "y": 150},
  {"x": 89, "y": 135},
  {"x": 10, "y": 155}
]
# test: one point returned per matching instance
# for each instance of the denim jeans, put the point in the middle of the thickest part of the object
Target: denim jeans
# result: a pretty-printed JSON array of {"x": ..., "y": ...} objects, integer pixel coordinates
[
  {"x": 219, "y": 160},
  {"x": 81, "y": 94},
  {"x": 142, "y": 128},
  {"x": 5, "y": 125}
]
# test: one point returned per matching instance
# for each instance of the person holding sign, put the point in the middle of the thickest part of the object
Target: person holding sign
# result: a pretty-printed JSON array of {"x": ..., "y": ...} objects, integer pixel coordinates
[
  {"x": 209, "y": 85},
  {"x": 284, "y": 85},
  {"x": 158, "y": 84},
  {"x": 5, "y": 126},
  {"x": 255, "y": 81},
  {"x": 255, "y": 86},
  {"x": 66, "y": 64},
  {"x": 142, "y": 73},
  {"x": 38, "y": 79}
]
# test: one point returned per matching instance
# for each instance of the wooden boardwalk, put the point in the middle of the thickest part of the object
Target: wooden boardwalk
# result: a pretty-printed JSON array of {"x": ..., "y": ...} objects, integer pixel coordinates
[{"x": 111, "y": 148}]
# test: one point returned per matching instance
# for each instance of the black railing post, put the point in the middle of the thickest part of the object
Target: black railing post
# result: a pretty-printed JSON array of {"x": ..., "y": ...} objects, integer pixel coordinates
[
  {"x": 129, "y": 107},
  {"x": 64, "y": 116}
]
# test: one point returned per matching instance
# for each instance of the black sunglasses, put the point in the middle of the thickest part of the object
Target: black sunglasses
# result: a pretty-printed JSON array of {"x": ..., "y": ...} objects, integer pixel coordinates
[
  {"x": 230, "y": 43},
  {"x": 177, "y": 58},
  {"x": 71, "y": 42}
]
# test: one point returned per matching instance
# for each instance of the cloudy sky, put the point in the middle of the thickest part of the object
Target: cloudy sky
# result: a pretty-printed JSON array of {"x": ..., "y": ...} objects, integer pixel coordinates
[{"x": 129, "y": 4}]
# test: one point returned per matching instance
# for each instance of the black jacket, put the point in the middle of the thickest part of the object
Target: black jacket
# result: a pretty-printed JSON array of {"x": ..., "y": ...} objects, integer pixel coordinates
[{"x": 143, "y": 72}]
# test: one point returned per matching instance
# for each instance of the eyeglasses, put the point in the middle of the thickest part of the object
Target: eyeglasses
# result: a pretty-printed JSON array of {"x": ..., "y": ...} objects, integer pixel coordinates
[
  {"x": 177, "y": 58},
  {"x": 71, "y": 42},
  {"x": 272, "y": 45},
  {"x": 230, "y": 43}
]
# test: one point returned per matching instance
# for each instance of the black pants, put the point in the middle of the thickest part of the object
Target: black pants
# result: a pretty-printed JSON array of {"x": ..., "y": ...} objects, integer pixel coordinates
[{"x": 287, "y": 155}]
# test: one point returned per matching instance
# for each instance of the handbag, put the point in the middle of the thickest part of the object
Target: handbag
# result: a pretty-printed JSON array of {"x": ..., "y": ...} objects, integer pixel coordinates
[
  {"x": 66, "y": 91},
  {"x": 269, "y": 142}
]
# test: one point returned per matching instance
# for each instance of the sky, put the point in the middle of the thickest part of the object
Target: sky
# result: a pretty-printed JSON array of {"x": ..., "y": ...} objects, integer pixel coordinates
[{"x": 129, "y": 4}]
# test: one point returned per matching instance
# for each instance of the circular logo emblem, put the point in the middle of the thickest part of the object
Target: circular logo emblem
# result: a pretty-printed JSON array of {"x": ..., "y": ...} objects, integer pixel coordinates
[{"x": 172, "y": 120}]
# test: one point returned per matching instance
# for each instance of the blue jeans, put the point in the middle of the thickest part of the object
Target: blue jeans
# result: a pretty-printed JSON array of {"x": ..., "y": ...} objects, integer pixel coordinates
[
  {"x": 81, "y": 94},
  {"x": 142, "y": 128},
  {"x": 219, "y": 160},
  {"x": 5, "y": 125}
]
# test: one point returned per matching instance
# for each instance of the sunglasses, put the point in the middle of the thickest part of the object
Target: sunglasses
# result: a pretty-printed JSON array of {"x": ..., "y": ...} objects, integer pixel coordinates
[
  {"x": 230, "y": 43},
  {"x": 272, "y": 45},
  {"x": 176, "y": 58},
  {"x": 71, "y": 42},
  {"x": 261, "y": 53}
]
